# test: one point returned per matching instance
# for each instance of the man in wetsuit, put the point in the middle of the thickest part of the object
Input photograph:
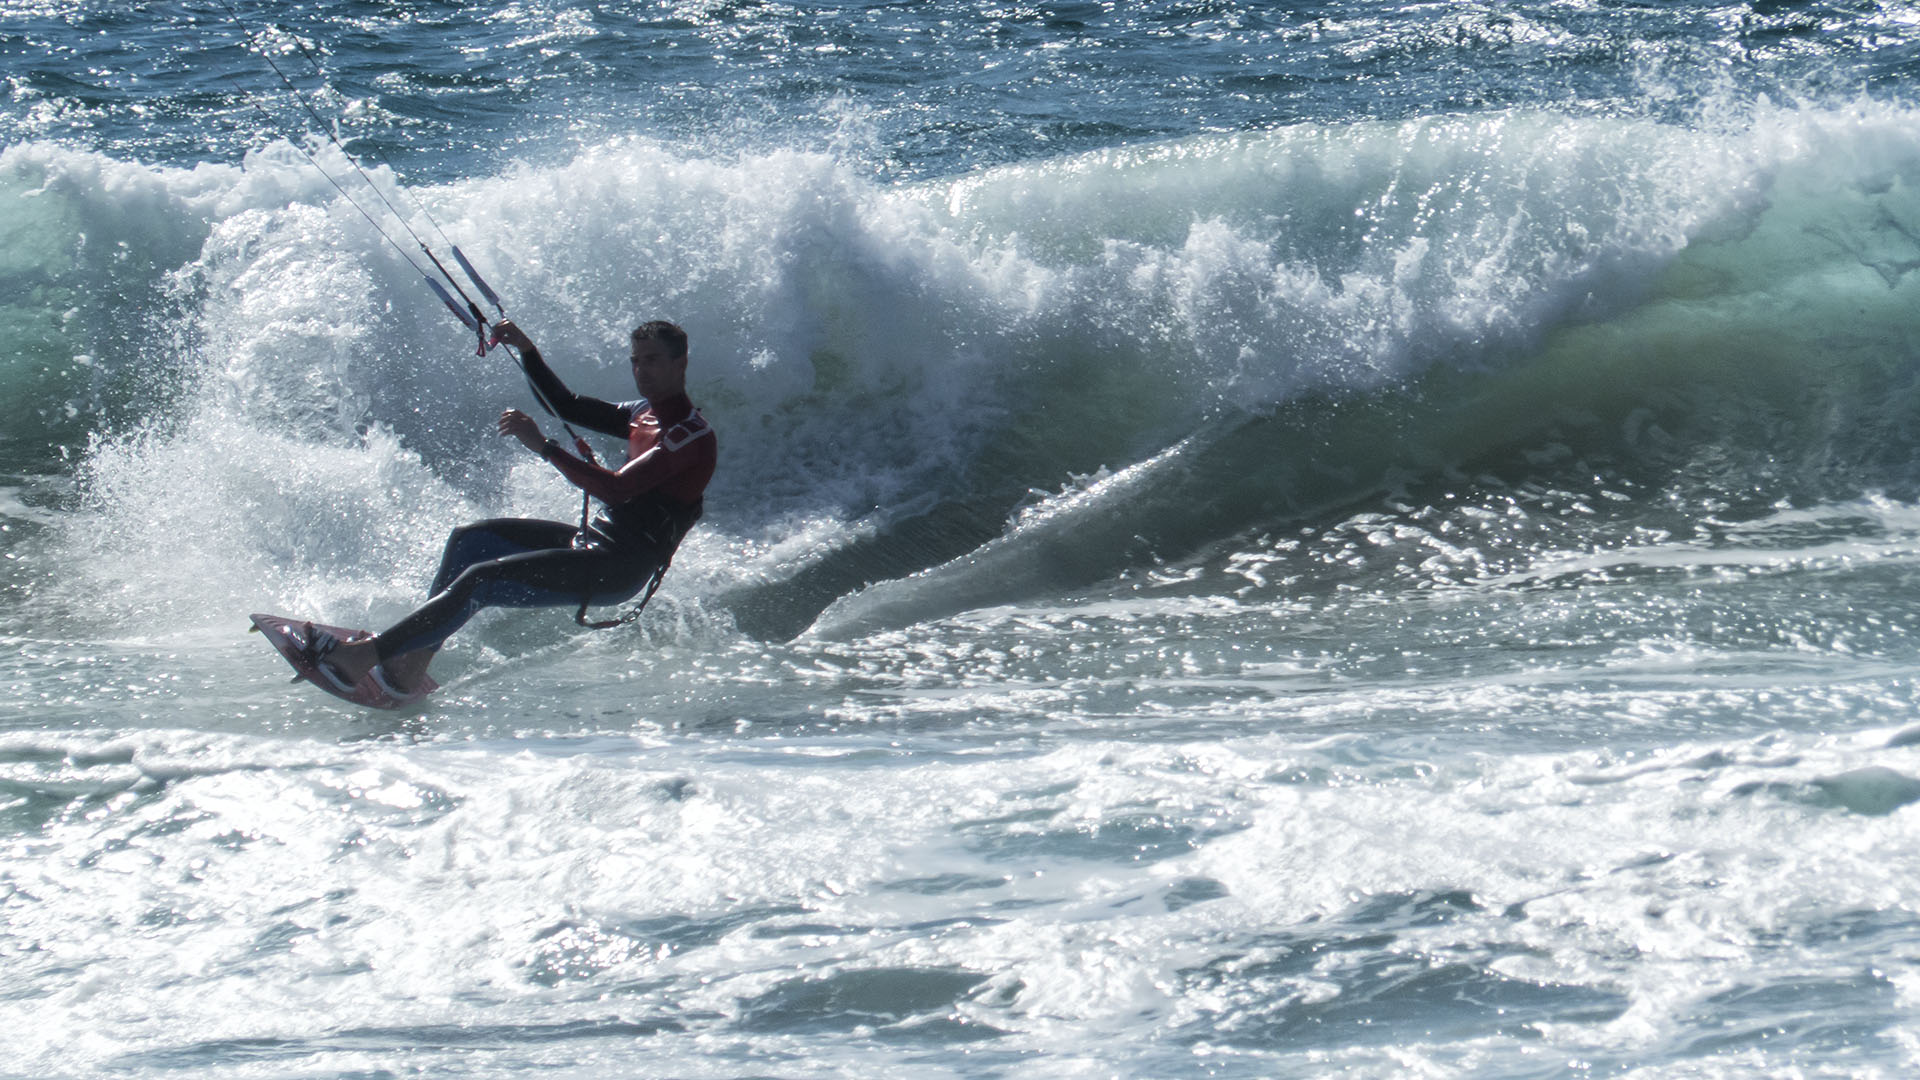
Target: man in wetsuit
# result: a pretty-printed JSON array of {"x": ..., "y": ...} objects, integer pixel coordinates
[{"x": 650, "y": 503}]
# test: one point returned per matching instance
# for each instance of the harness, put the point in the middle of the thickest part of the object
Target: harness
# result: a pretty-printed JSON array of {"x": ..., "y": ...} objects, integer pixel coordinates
[{"x": 663, "y": 524}]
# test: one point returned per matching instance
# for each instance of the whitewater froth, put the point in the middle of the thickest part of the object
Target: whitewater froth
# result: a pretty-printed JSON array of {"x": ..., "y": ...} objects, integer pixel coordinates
[{"x": 875, "y": 354}]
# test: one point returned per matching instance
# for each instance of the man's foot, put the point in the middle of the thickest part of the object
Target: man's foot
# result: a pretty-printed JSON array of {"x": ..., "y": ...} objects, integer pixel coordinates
[
  {"x": 343, "y": 663},
  {"x": 399, "y": 675},
  {"x": 346, "y": 663}
]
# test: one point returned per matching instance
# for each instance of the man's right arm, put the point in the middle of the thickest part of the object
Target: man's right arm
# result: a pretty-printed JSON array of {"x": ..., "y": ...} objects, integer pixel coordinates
[{"x": 588, "y": 412}]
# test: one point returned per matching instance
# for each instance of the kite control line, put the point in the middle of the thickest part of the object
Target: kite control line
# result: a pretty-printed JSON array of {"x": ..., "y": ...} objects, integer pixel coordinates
[
  {"x": 471, "y": 315},
  {"x": 464, "y": 308}
]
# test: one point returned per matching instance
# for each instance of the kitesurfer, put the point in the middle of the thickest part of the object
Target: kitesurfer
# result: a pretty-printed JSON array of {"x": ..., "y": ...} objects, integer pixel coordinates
[{"x": 649, "y": 504}]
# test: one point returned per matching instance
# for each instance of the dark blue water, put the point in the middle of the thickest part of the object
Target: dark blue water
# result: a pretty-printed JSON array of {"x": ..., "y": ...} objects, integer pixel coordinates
[
  {"x": 1250, "y": 540},
  {"x": 907, "y": 89}
]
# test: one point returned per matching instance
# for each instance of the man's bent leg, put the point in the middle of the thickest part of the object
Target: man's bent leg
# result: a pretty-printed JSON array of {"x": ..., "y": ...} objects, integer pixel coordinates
[
  {"x": 496, "y": 538},
  {"x": 467, "y": 546},
  {"x": 551, "y": 578}
]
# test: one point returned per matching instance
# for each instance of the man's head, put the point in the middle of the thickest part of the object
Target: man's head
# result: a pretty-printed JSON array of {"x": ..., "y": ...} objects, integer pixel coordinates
[{"x": 659, "y": 356}]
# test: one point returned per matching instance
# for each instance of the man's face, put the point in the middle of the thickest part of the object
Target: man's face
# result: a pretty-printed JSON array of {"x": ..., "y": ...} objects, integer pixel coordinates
[{"x": 656, "y": 372}]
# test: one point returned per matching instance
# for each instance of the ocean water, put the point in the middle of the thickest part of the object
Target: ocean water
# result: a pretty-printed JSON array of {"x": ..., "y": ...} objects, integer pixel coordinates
[{"x": 1352, "y": 538}]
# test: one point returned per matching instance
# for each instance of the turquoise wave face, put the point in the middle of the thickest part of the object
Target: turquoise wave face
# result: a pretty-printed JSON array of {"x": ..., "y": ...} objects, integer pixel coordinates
[
  {"x": 1267, "y": 327},
  {"x": 1765, "y": 361}
]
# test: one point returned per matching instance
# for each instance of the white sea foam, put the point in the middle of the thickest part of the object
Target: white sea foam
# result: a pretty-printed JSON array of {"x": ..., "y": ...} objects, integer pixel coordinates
[
  {"x": 861, "y": 346},
  {"x": 1162, "y": 889}
]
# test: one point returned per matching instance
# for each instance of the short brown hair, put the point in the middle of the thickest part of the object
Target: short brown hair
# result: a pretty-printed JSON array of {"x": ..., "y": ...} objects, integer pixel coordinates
[{"x": 666, "y": 333}]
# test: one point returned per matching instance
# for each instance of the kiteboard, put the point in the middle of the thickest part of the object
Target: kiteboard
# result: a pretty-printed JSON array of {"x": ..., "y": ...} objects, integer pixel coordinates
[{"x": 291, "y": 638}]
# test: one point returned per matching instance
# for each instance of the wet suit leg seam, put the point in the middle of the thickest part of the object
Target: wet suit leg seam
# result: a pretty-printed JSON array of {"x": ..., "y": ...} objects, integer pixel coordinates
[{"x": 482, "y": 541}]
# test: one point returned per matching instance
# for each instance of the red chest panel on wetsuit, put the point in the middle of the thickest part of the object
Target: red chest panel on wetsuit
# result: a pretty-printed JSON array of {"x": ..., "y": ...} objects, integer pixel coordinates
[
  {"x": 688, "y": 441},
  {"x": 670, "y": 452}
]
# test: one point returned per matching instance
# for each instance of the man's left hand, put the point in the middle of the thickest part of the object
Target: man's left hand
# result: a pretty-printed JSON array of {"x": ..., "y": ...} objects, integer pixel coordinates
[{"x": 518, "y": 425}]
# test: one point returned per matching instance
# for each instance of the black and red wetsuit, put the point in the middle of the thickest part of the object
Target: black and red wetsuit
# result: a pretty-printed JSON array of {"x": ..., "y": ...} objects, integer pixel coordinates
[{"x": 650, "y": 503}]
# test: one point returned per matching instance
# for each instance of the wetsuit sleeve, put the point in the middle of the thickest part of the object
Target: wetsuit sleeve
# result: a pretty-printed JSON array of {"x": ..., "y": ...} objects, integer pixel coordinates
[
  {"x": 637, "y": 477},
  {"x": 588, "y": 412}
]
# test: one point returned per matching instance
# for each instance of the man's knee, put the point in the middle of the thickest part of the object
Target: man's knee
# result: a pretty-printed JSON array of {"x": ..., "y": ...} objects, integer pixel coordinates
[
  {"x": 460, "y": 533},
  {"x": 474, "y": 576}
]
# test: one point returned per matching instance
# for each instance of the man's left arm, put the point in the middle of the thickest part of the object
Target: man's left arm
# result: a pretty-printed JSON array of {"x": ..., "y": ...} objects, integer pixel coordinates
[{"x": 615, "y": 486}]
